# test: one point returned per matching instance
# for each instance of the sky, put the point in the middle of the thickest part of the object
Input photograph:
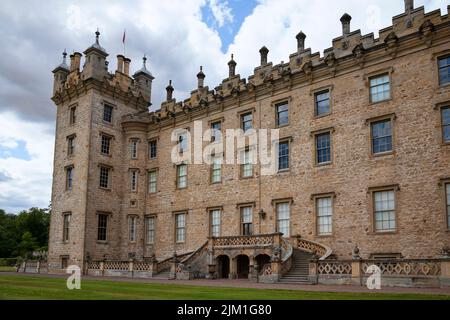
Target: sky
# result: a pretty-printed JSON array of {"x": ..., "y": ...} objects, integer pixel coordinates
[{"x": 177, "y": 36}]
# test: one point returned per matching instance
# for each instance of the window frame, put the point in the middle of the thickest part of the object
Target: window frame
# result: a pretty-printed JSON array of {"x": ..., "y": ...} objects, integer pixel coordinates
[
  {"x": 103, "y": 227},
  {"x": 212, "y": 169},
  {"x": 438, "y": 58},
  {"x": 211, "y": 220},
  {"x": 375, "y": 76},
  {"x": 112, "y": 107},
  {"x": 372, "y": 191},
  {"x": 71, "y": 145},
  {"x": 109, "y": 170},
  {"x": 155, "y": 170},
  {"x": 177, "y": 182},
  {"x": 441, "y": 122},
  {"x": 132, "y": 228},
  {"x": 213, "y": 137},
  {"x": 288, "y": 142},
  {"x": 280, "y": 103},
  {"x": 155, "y": 143},
  {"x": 177, "y": 227},
  {"x": 275, "y": 204},
  {"x": 241, "y": 166},
  {"x": 134, "y": 174},
  {"x": 134, "y": 148},
  {"x": 316, "y": 94},
  {"x": 69, "y": 178},
  {"x": 66, "y": 226},
  {"x": 147, "y": 238},
  {"x": 315, "y": 198},
  {"x": 241, "y": 116},
  {"x": 72, "y": 114},
  {"x": 241, "y": 220},
  {"x": 391, "y": 117},
  {"x": 106, "y": 137}
]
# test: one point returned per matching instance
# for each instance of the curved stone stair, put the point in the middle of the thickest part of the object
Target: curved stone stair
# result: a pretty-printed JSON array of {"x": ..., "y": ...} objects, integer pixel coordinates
[{"x": 299, "y": 273}]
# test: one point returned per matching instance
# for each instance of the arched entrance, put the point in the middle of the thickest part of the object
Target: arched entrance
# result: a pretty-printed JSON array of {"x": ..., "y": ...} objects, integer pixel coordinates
[
  {"x": 243, "y": 266},
  {"x": 262, "y": 260},
  {"x": 223, "y": 267}
]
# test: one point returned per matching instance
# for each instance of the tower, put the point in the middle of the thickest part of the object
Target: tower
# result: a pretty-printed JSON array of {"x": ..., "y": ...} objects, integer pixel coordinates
[{"x": 88, "y": 170}]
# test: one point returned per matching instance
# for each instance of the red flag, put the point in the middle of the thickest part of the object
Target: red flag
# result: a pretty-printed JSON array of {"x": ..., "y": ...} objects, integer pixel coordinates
[{"x": 124, "y": 35}]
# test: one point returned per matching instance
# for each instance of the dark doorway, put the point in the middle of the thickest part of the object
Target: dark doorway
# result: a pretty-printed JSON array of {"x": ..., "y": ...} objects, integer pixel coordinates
[
  {"x": 242, "y": 267},
  {"x": 262, "y": 260},
  {"x": 223, "y": 267}
]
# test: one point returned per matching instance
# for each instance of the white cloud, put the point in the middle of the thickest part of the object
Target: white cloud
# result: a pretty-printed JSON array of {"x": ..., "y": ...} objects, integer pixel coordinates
[
  {"x": 26, "y": 183},
  {"x": 221, "y": 12}
]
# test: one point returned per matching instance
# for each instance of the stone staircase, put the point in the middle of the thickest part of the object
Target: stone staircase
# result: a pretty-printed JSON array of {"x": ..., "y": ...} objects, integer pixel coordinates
[
  {"x": 299, "y": 273},
  {"x": 165, "y": 274}
]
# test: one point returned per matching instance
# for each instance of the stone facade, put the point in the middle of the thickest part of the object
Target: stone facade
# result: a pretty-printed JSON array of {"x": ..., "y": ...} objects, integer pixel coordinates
[{"x": 417, "y": 169}]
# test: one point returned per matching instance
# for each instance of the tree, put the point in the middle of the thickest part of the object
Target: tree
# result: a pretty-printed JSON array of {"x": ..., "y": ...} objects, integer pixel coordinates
[{"x": 27, "y": 245}]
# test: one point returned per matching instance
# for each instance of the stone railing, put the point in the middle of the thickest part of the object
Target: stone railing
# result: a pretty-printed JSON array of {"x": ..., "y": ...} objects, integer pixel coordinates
[
  {"x": 189, "y": 259},
  {"x": 117, "y": 265},
  {"x": 405, "y": 267},
  {"x": 394, "y": 272},
  {"x": 334, "y": 267},
  {"x": 265, "y": 240},
  {"x": 313, "y": 247},
  {"x": 286, "y": 256},
  {"x": 33, "y": 266}
]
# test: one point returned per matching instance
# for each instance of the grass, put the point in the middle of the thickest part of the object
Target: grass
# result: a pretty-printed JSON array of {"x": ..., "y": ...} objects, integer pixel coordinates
[
  {"x": 37, "y": 287},
  {"x": 7, "y": 269}
]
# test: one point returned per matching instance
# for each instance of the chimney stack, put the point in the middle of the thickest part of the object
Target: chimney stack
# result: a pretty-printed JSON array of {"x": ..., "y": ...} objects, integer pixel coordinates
[
  {"x": 232, "y": 67},
  {"x": 300, "y": 41},
  {"x": 264, "y": 52},
  {"x": 409, "y": 5},
  {"x": 126, "y": 66},
  {"x": 75, "y": 60},
  {"x": 200, "y": 77},
  {"x": 345, "y": 20},
  {"x": 169, "y": 90},
  {"x": 120, "y": 61}
]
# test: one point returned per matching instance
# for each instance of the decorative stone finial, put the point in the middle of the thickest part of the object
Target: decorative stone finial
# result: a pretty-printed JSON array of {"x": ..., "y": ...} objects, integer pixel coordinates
[
  {"x": 300, "y": 41},
  {"x": 345, "y": 20},
  {"x": 97, "y": 35},
  {"x": 200, "y": 77},
  {"x": 409, "y": 5},
  {"x": 263, "y": 52},
  {"x": 355, "y": 253},
  {"x": 169, "y": 90},
  {"x": 232, "y": 67}
]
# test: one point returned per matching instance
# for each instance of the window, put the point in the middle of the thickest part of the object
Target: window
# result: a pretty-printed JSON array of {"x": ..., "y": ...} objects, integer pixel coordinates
[
  {"x": 106, "y": 145},
  {"x": 104, "y": 177},
  {"x": 283, "y": 155},
  {"x": 247, "y": 121},
  {"x": 246, "y": 166},
  {"x": 246, "y": 221},
  {"x": 283, "y": 218},
  {"x": 66, "y": 226},
  {"x": 72, "y": 115},
  {"x": 216, "y": 134},
  {"x": 134, "y": 148},
  {"x": 182, "y": 142},
  {"x": 444, "y": 70},
  {"x": 216, "y": 170},
  {"x": 70, "y": 145},
  {"x": 134, "y": 180},
  {"x": 181, "y": 176},
  {"x": 102, "y": 227},
  {"x": 380, "y": 88},
  {"x": 322, "y": 103},
  {"x": 324, "y": 211},
  {"x": 150, "y": 225},
  {"x": 214, "y": 218},
  {"x": 180, "y": 227},
  {"x": 447, "y": 193},
  {"x": 107, "y": 113},
  {"x": 152, "y": 147},
  {"x": 64, "y": 262},
  {"x": 384, "y": 210},
  {"x": 69, "y": 178},
  {"x": 323, "y": 148},
  {"x": 445, "y": 114},
  {"x": 381, "y": 136},
  {"x": 132, "y": 228},
  {"x": 282, "y": 116},
  {"x": 152, "y": 181}
]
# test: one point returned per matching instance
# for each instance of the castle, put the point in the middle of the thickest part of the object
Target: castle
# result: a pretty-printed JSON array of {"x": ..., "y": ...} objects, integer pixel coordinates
[{"x": 363, "y": 167}]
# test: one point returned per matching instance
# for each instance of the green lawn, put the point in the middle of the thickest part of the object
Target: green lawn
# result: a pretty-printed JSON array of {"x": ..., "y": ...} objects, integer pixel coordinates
[
  {"x": 6, "y": 268},
  {"x": 35, "y": 287}
]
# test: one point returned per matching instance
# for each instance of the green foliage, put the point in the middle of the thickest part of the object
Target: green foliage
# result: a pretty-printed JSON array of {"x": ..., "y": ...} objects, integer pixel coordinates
[{"x": 24, "y": 233}]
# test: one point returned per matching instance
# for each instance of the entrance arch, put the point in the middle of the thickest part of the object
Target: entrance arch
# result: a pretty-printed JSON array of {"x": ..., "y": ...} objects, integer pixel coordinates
[
  {"x": 223, "y": 267},
  {"x": 242, "y": 266}
]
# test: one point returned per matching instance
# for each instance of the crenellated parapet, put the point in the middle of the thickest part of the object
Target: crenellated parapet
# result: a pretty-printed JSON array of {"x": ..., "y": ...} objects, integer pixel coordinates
[
  {"x": 412, "y": 29},
  {"x": 71, "y": 81}
]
